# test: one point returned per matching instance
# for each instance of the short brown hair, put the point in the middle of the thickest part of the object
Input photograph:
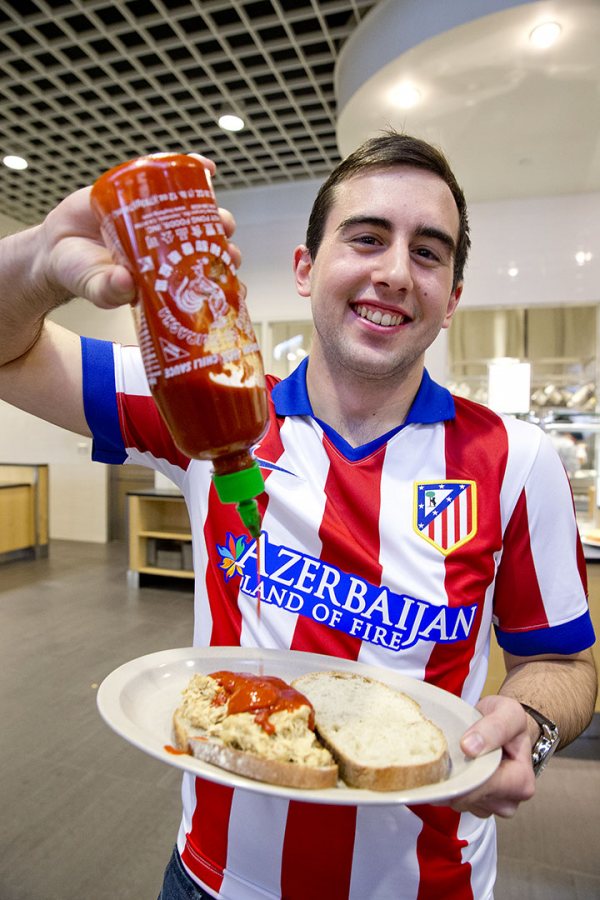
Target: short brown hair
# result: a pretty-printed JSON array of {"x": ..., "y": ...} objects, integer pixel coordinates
[{"x": 390, "y": 149}]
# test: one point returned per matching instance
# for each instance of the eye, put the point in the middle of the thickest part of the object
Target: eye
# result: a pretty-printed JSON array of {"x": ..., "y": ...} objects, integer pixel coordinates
[
  {"x": 427, "y": 253},
  {"x": 365, "y": 240}
]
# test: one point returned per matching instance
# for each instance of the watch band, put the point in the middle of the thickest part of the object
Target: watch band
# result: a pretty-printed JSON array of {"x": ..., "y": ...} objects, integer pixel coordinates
[{"x": 547, "y": 742}]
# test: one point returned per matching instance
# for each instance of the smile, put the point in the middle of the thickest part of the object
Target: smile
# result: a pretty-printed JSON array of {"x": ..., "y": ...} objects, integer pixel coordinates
[{"x": 378, "y": 318}]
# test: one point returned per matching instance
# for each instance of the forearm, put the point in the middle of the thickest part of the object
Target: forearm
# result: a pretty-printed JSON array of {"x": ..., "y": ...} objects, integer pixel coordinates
[
  {"x": 26, "y": 296},
  {"x": 563, "y": 689}
]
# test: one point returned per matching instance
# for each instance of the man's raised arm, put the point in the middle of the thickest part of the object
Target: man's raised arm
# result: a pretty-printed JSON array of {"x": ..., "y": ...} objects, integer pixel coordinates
[{"x": 41, "y": 268}]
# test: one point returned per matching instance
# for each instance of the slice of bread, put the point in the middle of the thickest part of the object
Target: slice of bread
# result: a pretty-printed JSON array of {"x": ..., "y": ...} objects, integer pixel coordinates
[
  {"x": 378, "y": 736},
  {"x": 288, "y": 753}
]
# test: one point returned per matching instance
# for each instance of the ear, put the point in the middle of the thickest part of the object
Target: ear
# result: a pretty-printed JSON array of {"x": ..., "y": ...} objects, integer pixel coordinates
[
  {"x": 452, "y": 304},
  {"x": 302, "y": 270}
]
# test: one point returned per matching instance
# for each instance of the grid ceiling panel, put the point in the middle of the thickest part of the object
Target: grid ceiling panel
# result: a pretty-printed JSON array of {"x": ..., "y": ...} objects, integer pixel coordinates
[{"x": 87, "y": 84}]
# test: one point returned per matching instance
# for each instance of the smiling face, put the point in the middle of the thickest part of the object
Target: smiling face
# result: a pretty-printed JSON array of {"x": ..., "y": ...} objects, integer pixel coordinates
[{"x": 381, "y": 282}]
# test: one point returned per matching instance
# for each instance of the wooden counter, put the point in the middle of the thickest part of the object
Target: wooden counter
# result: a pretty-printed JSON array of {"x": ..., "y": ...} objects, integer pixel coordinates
[{"x": 23, "y": 511}]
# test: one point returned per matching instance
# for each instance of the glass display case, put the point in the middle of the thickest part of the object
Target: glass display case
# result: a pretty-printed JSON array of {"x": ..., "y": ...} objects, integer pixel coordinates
[
  {"x": 559, "y": 345},
  {"x": 576, "y": 437}
]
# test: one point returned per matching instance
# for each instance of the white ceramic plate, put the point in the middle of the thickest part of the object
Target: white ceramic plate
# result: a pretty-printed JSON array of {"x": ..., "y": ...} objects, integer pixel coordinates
[{"x": 137, "y": 701}]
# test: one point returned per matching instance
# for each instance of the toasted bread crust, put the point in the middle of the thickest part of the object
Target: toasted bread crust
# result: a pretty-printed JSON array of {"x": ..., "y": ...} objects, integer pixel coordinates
[
  {"x": 386, "y": 778},
  {"x": 285, "y": 774}
]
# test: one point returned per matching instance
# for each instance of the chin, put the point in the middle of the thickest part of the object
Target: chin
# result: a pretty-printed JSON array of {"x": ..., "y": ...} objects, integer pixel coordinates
[{"x": 372, "y": 369}]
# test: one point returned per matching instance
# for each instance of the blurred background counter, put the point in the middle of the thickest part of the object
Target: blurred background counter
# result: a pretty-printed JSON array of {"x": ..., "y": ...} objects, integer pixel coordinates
[{"x": 23, "y": 511}]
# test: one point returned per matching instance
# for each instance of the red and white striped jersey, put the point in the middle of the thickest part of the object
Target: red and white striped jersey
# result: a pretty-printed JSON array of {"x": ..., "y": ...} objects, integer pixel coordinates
[{"x": 402, "y": 553}]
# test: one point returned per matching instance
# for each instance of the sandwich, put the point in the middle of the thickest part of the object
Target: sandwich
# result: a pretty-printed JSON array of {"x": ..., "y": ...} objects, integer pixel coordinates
[{"x": 255, "y": 725}]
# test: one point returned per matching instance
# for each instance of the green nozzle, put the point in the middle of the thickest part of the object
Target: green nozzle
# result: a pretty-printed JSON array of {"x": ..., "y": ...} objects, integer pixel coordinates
[
  {"x": 240, "y": 488},
  {"x": 248, "y": 512}
]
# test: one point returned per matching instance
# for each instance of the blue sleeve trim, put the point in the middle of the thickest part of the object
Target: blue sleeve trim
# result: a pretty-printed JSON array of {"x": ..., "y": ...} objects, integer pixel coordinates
[
  {"x": 572, "y": 637},
  {"x": 100, "y": 401}
]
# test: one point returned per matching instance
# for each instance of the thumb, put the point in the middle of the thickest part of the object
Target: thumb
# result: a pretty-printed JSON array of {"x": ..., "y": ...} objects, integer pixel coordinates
[
  {"x": 473, "y": 744},
  {"x": 502, "y": 720}
]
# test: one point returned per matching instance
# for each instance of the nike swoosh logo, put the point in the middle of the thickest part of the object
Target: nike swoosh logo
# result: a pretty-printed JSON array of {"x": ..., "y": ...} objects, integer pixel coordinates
[{"x": 265, "y": 464}]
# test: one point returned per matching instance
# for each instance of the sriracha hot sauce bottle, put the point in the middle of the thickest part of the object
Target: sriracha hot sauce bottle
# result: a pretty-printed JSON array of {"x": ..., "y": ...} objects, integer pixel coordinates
[{"x": 159, "y": 217}]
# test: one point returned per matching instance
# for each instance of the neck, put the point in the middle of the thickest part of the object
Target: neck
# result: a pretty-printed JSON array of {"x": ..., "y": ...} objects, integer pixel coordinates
[{"x": 360, "y": 409}]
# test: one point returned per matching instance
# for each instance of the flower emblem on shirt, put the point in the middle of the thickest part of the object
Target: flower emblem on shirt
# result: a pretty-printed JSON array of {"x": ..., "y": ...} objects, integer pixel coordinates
[{"x": 231, "y": 553}]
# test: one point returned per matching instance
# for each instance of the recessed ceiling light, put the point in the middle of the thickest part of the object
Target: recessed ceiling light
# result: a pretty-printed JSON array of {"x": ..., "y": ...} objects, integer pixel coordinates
[
  {"x": 513, "y": 271},
  {"x": 405, "y": 95},
  {"x": 231, "y": 123},
  {"x": 15, "y": 162},
  {"x": 545, "y": 35}
]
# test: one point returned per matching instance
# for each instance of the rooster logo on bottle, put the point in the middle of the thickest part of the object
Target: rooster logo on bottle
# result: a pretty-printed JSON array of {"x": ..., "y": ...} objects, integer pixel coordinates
[{"x": 191, "y": 294}]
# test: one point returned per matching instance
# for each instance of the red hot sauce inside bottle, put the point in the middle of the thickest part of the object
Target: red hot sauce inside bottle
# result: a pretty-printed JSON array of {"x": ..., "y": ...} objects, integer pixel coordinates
[{"x": 159, "y": 216}]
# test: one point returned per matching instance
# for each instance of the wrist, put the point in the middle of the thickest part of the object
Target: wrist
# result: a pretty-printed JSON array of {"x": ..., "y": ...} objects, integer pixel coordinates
[
  {"x": 46, "y": 292},
  {"x": 546, "y": 741},
  {"x": 27, "y": 296},
  {"x": 534, "y": 729}
]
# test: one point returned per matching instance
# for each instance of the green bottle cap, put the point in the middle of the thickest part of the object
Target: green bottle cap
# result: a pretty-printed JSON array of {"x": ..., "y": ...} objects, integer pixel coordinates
[{"x": 240, "y": 488}]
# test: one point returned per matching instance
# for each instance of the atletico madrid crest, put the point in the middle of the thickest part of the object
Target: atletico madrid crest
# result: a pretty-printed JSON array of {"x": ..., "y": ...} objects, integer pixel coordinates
[{"x": 445, "y": 513}]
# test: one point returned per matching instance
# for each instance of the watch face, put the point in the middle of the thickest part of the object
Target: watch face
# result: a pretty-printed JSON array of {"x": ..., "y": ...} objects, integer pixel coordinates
[
  {"x": 547, "y": 742},
  {"x": 542, "y": 752}
]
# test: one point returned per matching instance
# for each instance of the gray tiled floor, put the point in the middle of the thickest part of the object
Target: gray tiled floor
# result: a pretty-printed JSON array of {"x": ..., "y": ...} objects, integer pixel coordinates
[{"x": 84, "y": 815}]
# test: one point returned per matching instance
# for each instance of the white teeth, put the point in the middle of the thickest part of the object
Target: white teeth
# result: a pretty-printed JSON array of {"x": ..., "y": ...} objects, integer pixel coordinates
[{"x": 375, "y": 316}]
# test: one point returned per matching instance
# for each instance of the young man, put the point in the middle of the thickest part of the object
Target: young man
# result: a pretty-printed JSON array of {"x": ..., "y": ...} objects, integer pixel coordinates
[{"x": 380, "y": 479}]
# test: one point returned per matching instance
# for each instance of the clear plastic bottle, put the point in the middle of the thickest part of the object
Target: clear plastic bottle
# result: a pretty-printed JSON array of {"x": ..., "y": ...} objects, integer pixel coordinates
[{"x": 159, "y": 216}]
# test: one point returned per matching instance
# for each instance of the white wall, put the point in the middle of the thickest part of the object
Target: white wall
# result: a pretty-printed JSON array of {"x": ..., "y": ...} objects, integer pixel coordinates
[{"x": 539, "y": 236}]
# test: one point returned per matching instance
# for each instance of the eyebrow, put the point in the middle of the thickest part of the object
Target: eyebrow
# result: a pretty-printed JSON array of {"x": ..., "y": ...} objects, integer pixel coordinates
[
  {"x": 386, "y": 225},
  {"x": 376, "y": 221},
  {"x": 438, "y": 234}
]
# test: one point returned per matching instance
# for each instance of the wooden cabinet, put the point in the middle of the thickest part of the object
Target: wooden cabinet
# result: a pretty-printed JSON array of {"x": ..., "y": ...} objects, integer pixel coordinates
[
  {"x": 23, "y": 511},
  {"x": 160, "y": 537}
]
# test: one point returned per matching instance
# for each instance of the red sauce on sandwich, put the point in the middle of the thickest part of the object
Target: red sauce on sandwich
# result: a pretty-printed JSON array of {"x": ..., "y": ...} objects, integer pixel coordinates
[{"x": 262, "y": 695}]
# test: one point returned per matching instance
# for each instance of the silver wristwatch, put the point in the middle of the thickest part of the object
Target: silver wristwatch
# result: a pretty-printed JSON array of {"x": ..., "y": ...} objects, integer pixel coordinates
[{"x": 547, "y": 742}]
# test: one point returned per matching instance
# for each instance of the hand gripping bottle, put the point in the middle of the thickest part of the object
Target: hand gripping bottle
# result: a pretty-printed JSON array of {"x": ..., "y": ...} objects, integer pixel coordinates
[{"x": 159, "y": 217}]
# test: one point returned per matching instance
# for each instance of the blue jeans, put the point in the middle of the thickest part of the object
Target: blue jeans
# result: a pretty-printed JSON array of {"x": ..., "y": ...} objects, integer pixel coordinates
[{"x": 178, "y": 885}]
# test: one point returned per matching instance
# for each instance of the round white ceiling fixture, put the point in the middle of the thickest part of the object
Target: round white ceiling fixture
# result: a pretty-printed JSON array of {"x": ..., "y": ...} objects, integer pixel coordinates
[
  {"x": 230, "y": 122},
  {"x": 15, "y": 162},
  {"x": 405, "y": 95},
  {"x": 545, "y": 34}
]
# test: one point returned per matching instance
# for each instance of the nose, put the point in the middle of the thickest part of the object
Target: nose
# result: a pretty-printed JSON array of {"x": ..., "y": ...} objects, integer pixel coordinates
[{"x": 392, "y": 268}]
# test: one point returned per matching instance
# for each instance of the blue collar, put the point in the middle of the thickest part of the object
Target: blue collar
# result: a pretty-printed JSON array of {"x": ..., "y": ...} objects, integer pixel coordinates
[{"x": 432, "y": 403}]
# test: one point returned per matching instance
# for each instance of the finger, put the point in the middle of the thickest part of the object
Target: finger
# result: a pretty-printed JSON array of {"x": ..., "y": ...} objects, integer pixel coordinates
[
  {"x": 512, "y": 783},
  {"x": 228, "y": 220},
  {"x": 229, "y": 224},
  {"x": 502, "y": 794},
  {"x": 208, "y": 163},
  {"x": 496, "y": 729}
]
